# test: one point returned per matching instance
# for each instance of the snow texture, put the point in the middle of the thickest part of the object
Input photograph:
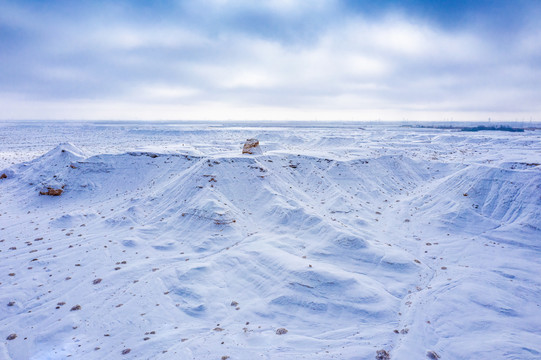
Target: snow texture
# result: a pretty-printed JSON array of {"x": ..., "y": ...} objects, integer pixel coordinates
[{"x": 333, "y": 242}]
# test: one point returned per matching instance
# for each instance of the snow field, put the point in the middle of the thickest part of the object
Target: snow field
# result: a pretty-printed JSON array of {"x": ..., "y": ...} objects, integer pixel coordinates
[{"x": 353, "y": 240}]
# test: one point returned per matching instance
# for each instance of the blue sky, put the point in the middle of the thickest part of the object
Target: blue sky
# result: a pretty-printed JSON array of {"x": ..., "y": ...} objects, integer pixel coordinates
[{"x": 263, "y": 60}]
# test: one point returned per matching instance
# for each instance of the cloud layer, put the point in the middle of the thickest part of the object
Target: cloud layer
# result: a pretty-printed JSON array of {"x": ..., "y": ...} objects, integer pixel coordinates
[{"x": 221, "y": 59}]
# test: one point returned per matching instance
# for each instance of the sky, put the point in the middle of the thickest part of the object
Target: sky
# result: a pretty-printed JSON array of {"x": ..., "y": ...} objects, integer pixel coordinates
[{"x": 271, "y": 60}]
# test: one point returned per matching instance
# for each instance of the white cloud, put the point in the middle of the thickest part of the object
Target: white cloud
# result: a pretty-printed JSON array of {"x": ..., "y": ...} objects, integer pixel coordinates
[
  {"x": 163, "y": 92},
  {"x": 132, "y": 37},
  {"x": 359, "y": 65}
]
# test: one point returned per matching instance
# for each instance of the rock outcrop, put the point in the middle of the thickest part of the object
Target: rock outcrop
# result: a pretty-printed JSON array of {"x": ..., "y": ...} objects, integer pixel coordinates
[
  {"x": 52, "y": 192},
  {"x": 251, "y": 146}
]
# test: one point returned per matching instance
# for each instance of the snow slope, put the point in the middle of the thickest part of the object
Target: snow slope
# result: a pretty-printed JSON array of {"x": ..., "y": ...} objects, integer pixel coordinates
[{"x": 177, "y": 246}]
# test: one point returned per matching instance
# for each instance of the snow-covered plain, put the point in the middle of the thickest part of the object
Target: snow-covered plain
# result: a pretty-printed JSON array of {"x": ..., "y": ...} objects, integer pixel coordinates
[{"x": 168, "y": 243}]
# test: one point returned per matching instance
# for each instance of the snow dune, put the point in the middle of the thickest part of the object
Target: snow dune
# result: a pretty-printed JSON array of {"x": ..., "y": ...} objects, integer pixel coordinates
[{"x": 416, "y": 242}]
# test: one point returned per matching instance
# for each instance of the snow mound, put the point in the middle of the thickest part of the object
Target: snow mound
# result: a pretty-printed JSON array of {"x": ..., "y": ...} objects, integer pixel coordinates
[
  {"x": 65, "y": 151},
  {"x": 48, "y": 171}
]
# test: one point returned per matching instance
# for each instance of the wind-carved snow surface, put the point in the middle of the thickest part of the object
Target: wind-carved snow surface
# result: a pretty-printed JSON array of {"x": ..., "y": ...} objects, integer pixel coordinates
[{"x": 421, "y": 243}]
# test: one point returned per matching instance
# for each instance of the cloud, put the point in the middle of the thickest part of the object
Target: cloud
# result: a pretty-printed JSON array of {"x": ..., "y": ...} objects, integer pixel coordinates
[{"x": 292, "y": 59}]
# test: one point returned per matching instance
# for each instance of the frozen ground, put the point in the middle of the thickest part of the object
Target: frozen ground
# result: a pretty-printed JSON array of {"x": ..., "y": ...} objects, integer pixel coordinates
[{"x": 169, "y": 243}]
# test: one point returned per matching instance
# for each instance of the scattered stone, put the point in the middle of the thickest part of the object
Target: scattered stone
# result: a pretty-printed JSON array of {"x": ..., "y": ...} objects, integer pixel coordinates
[
  {"x": 225, "y": 357},
  {"x": 52, "y": 192},
  {"x": 432, "y": 355},
  {"x": 96, "y": 281},
  {"x": 11, "y": 303},
  {"x": 281, "y": 331},
  {"x": 382, "y": 355},
  {"x": 75, "y": 308},
  {"x": 3, "y": 176},
  {"x": 218, "y": 329},
  {"x": 234, "y": 303},
  {"x": 11, "y": 337},
  {"x": 126, "y": 351}
]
